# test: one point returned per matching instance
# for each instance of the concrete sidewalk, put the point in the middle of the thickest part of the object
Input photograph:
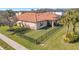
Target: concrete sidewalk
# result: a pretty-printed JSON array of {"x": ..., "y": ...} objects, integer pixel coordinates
[{"x": 12, "y": 43}]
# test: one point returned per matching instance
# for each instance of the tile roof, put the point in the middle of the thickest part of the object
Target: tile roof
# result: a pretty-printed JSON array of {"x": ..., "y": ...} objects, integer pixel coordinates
[{"x": 35, "y": 17}]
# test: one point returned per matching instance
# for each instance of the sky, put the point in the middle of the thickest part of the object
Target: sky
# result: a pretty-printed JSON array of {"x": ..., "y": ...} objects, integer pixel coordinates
[
  {"x": 21, "y": 9},
  {"x": 16, "y": 9}
]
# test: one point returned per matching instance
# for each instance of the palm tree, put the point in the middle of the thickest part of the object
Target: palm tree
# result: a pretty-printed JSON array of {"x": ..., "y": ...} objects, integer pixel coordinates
[
  {"x": 70, "y": 16},
  {"x": 75, "y": 18},
  {"x": 66, "y": 19}
]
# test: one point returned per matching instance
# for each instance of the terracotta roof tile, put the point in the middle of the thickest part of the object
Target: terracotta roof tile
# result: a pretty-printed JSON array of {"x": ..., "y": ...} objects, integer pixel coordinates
[{"x": 35, "y": 17}]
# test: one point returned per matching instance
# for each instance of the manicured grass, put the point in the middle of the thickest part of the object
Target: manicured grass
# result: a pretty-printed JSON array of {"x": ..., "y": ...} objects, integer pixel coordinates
[
  {"x": 37, "y": 33},
  {"x": 18, "y": 39},
  {"x": 32, "y": 33},
  {"x": 5, "y": 45},
  {"x": 25, "y": 42},
  {"x": 55, "y": 41}
]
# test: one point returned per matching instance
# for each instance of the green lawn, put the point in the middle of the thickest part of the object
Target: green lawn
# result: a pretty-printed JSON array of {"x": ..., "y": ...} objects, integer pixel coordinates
[
  {"x": 24, "y": 41},
  {"x": 55, "y": 40},
  {"x": 31, "y": 33},
  {"x": 5, "y": 45},
  {"x": 37, "y": 33}
]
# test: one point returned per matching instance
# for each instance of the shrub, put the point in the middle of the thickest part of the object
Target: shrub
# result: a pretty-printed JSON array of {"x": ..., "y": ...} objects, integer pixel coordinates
[
  {"x": 70, "y": 34},
  {"x": 38, "y": 41},
  {"x": 66, "y": 39},
  {"x": 71, "y": 37}
]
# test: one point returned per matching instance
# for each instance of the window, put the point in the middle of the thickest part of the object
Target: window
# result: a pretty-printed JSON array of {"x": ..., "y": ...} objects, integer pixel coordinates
[{"x": 41, "y": 23}]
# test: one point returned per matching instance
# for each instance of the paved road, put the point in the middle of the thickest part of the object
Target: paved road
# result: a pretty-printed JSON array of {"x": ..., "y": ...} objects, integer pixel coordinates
[{"x": 12, "y": 43}]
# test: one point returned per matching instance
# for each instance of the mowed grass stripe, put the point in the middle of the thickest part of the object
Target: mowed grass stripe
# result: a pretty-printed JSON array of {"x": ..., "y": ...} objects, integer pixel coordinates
[
  {"x": 54, "y": 39},
  {"x": 19, "y": 39}
]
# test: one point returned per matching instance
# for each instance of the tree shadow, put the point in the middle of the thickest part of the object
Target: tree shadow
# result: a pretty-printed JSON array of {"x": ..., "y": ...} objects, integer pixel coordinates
[
  {"x": 45, "y": 28},
  {"x": 76, "y": 40},
  {"x": 20, "y": 31}
]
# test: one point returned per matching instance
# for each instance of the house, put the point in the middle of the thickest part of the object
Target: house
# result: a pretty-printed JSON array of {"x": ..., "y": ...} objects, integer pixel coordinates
[{"x": 35, "y": 20}]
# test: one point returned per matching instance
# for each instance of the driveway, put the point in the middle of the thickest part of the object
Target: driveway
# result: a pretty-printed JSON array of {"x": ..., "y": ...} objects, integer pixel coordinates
[{"x": 12, "y": 43}]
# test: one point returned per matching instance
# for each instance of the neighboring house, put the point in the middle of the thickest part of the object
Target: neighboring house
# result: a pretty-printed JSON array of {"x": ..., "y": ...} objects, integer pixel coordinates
[
  {"x": 35, "y": 20},
  {"x": 59, "y": 13}
]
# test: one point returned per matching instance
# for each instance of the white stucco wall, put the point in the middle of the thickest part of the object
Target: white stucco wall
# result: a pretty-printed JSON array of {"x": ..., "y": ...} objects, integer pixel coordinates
[
  {"x": 32, "y": 25},
  {"x": 35, "y": 25},
  {"x": 28, "y": 24}
]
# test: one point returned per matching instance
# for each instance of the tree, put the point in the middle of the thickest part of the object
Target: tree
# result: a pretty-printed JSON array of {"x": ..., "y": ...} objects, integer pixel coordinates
[
  {"x": 70, "y": 16},
  {"x": 10, "y": 17},
  {"x": 66, "y": 19},
  {"x": 75, "y": 18}
]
